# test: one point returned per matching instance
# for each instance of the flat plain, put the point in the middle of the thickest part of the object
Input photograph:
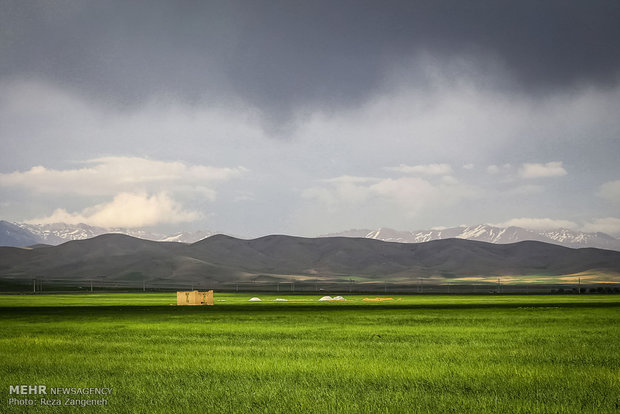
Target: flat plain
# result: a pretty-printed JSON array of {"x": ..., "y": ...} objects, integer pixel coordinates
[{"x": 412, "y": 354}]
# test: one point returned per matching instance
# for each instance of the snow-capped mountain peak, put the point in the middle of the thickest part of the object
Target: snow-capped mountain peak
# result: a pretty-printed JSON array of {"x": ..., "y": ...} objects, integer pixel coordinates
[
  {"x": 490, "y": 234},
  {"x": 20, "y": 234},
  {"x": 58, "y": 233}
]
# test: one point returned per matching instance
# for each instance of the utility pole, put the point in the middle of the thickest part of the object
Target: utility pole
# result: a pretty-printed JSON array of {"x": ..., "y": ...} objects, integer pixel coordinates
[
  {"x": 579, "y": 288},
  {"x": 144, "y": 286},
  {"x": 499, "y": 285},
  {"x": 385, "y": 286},
  {"x": 34, "y": 286},
  {"x": 91, "y": 286}
]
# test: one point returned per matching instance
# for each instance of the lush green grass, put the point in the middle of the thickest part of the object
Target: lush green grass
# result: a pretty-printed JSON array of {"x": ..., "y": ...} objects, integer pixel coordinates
[{"x": 417, "y": 354}]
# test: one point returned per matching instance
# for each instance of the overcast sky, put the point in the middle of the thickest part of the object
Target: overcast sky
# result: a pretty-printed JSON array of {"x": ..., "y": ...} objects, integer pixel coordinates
[{"x": 310, "y": 117}]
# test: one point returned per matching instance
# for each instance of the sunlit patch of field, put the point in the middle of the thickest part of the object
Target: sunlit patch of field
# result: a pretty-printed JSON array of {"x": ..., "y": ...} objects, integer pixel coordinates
[{"x": 583, "y": 277}]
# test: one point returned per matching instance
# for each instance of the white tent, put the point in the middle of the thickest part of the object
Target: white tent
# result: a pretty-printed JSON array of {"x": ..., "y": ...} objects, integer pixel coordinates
[
  {"x": 325, "y": 298},
  {"x": 254, "y": 299}
]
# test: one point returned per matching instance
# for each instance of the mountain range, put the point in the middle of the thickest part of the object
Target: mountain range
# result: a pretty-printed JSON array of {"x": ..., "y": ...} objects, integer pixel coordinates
[
  {"x": 22, "y": 234},
  {"x": 490, "y": 234},
  {"x": 225, "y": 259}
]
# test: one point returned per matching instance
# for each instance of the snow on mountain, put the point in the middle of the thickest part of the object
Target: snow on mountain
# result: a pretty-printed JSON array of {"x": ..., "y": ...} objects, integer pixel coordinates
[
  {"x": 489, "y": 234},
  {"x": 58, "y": 233},
  {"x": 20, "y": 234},
  {"x": 188, "y": 237},
  {"x": 578, "y": 239}
]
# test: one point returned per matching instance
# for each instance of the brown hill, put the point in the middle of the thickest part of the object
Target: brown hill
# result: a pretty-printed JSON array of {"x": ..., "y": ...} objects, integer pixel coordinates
[{"x": 223, "y": 258}]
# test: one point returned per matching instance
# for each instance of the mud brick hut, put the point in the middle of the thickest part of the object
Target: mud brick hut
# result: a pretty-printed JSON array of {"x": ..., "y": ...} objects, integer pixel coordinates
[{"x": 195, "y": 297}]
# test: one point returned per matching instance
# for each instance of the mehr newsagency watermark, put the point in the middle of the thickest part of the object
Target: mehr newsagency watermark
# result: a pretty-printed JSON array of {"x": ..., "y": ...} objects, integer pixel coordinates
[{"x": 42, "y": 395}]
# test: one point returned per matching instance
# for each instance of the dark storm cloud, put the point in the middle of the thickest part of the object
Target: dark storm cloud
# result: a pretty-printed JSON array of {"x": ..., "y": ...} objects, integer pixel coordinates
[{"x": 279, "y": 55}]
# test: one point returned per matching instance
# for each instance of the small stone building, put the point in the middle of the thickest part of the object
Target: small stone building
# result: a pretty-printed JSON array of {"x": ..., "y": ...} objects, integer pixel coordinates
[{"x": 195, "y": 297}]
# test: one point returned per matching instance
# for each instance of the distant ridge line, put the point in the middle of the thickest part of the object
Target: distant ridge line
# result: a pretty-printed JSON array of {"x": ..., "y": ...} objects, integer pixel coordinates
[{"x": 225, "y": 258}]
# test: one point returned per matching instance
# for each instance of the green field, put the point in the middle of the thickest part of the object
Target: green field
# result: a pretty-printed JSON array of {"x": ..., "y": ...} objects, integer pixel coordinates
[{"x": 418, "y": 354}]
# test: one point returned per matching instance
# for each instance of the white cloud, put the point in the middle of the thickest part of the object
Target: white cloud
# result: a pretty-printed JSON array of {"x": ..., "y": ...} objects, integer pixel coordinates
[
  {"x": 125, "y": 210},
  {"x": 492, "y": 169},
  {"x": 428, "y": 169},
  {"x": 339, "y": 191},
  {"x": 349, "y": 179},
  {"x": 496, "y": 169},
  {"x": 469, "y": 166},
  {"x": 412, "y": 192},
  {"x": 609, "y": 225},
  {"x": 538, "y": 223},
  {"x": 550, "y": 169},
  {"x": 408, "y": 195},
  {"x": 610, "y": 191},
  {"x": 526, "y": 190},
  {"x": 112, "y": 175},
  {"x": 448, "y": 179},
  {"x": 453, "y": 122}
]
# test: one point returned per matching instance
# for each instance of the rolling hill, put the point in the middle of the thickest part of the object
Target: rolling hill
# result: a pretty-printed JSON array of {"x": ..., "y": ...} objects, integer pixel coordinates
[{"x": 224, "y": 258}]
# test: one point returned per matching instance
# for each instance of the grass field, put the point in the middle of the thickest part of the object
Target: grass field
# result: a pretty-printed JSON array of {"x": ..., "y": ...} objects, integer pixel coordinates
[{"x": 418, "y": 354}]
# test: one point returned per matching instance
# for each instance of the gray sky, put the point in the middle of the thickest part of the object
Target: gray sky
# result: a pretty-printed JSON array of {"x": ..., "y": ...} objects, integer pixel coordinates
[{"x": 256, "y": 117}]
